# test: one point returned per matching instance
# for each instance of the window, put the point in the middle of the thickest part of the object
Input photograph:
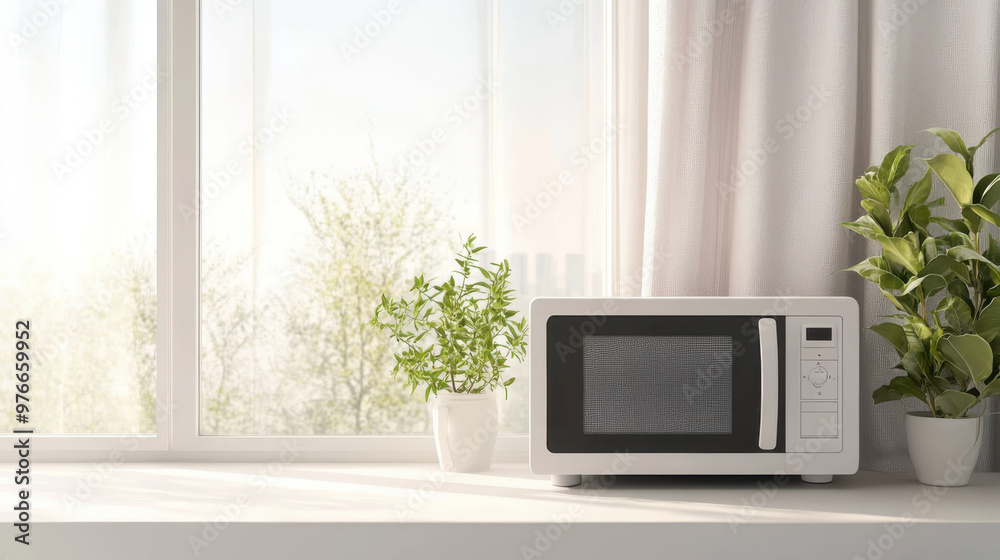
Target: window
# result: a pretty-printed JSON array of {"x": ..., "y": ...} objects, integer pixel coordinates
[
  {"x": 344, "y": 148},
  {"x": 78, "y": 176},
  {"x": 303, "y": 158}
]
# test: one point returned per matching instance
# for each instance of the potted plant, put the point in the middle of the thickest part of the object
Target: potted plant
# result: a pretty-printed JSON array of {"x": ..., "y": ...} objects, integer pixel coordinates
[
  {"x": 942, "y": 276},
  {"x": 457, "y": 339}
]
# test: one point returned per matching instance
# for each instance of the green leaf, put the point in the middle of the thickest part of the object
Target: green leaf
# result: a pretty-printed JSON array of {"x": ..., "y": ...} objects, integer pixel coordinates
[
  {"x": 931, "y": 284},
  {"x": 952, "y": 172},
  {"x": 985, "y": 193},
  {"x": 865, "y": 226},
  {"x": 876, "y": 269},
  {"x": 944, "y": 264},
  {"x": 907, "y": 387},
  {"x": 972, "y": 219},
  {"x": 954, "y": 403},
  {"x": 918, "y": 192},
  {"x": 878, "y": 212},
  {"x": 950, "y": 225},
  {"x": 969, "y": 354},
  {"x": 901, "y": 252},
  {"x": 907, "y": 304},
  {"x": 870, "y": 189},
  {"x": 991, "y": 389},
  {"x": 962, "y": 253},
  {"x": 894, "y": 334},
  {"x": 914, "y": 363},
  {"x": 984, "y": 213},
  {"x": 898, "y": 388},
  {"x": 988, "y": 323},
  {"x": 885, "y": 394},
  {"x": 957, "y": 312},
  {"x": 894, "y": 165},
  {"x": 953, "y": 140},
  {"x": 975, "y": 148}
]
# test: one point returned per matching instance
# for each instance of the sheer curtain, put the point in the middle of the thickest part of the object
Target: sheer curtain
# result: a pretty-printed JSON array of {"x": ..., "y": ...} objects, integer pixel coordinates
[
  {"x": 761, "y": 115},
  {"x": 78, "y": 84}
]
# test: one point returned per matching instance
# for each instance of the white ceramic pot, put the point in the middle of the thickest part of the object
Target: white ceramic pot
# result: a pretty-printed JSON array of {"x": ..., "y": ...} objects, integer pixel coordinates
[
  {"x": 944, "y": 451},
  {"x": 465, "y": 430}
]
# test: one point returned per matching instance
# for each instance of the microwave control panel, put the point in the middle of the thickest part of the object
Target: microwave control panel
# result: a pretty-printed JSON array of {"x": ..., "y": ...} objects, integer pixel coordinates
[{"x": 814, "y": 407}]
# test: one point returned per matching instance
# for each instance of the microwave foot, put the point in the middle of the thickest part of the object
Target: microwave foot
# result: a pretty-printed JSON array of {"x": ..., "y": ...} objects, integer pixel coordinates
[
  {"x": 817, "y": 478},
  {"x": 566, "y": 479}
]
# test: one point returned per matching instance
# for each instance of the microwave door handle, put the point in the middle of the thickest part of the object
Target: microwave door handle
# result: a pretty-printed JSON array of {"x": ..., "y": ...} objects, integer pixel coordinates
[{"x": 768, "y": 434}]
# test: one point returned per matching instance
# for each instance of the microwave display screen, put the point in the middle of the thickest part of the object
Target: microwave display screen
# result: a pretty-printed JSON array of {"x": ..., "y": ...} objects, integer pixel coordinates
[{"x": 657, "y": 384}]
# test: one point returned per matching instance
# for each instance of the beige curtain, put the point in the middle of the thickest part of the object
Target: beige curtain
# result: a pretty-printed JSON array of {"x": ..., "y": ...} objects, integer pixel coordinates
[{"x": 760, "y": 115}]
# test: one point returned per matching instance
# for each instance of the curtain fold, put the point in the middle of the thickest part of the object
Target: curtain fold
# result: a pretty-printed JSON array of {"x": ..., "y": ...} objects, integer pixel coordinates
[{"x": 761, "y": 115}]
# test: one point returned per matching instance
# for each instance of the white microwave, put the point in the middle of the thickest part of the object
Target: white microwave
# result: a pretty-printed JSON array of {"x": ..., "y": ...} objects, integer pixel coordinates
[{"x": 697, "y": 386}]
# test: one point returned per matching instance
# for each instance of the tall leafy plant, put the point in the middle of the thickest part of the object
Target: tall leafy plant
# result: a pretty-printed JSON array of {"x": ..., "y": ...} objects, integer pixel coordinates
[
  {"x": 458, "y": 335},
  {"x": 940, "y": 273}
]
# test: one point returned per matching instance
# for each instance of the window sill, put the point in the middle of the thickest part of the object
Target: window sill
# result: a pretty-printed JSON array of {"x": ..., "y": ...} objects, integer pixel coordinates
[{"x": 240, "y": 510}]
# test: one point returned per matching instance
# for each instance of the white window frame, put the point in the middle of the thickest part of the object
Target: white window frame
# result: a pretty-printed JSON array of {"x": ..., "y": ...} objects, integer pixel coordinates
[{"x": 177, "y": 437}]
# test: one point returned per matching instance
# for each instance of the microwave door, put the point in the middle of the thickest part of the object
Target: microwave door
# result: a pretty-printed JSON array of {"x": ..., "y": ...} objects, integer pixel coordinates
[{"x": 664, "y": 384}]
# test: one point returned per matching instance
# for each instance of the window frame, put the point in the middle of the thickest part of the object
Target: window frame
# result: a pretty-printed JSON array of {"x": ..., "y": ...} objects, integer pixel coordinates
[{"x": 178, "y": 244}]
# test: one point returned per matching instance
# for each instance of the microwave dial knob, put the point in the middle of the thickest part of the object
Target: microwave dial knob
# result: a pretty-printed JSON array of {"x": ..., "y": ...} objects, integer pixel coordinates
[{"x": 818, "y": 375}]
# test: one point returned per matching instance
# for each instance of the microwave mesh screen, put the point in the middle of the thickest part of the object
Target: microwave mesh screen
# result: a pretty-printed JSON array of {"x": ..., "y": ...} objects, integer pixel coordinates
[{"x": 658, "y": 384}]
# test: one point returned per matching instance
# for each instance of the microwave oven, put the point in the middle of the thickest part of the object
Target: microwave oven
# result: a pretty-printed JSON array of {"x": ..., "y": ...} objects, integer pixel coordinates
[{"x": 699, "y": 385}]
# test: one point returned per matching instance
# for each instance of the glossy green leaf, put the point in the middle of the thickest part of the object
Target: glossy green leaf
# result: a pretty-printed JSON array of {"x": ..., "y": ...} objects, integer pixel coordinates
[
  {"x": 953, "y": 140},
  {"x": 865, "y": 226},
  {"x": 985, "y": 192},
  {"x": 898, "y": 388},
  {"x": 878, "y": 212},
  {"x": 876, "y": 270},
  {"x": 918, "y": 192},
  {"x": 949, "y": 224},
  {"x": 969, "y": 354},
  {"x": 957, "y": 313},
  {"x": 894, "y": 165},
  {"x": 984, "y": 213},
  {"x": 900, "y": 251},
  {"x": 873, "y": 190},
  {"x": 975, "y": 148},
  {"x": 954, "y": 404},
  {"x": 894, "y": 334},
  {"x": 952, "y": 172},
  {"x": 988, "y": 323},
  {"x": 929, "y": 284}
]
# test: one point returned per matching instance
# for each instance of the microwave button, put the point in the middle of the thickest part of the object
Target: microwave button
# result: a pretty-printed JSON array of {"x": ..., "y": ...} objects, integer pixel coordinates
[
  {"x": 818, "y": 379},
  {"x": 819, "y": 425},
  {"x": 819, "y": 353}
]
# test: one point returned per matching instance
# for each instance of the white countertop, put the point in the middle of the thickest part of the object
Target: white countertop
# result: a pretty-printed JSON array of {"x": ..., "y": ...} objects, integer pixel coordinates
[
  {"x": 335, "y": 493},
  {"x": 373, "y": 511}
]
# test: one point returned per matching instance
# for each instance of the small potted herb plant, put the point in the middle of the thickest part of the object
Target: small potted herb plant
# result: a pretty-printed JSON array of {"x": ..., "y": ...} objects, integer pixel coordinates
[
  {"x": 942, "y": 276},
  {"x": 457, "y": 339}
]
